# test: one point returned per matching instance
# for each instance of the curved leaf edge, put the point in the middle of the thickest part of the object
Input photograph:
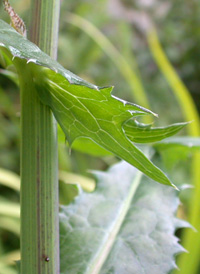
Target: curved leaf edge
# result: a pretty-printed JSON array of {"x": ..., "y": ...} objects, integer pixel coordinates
[
  {"x": 23, "y": 49},
  {"x": 176, "y": 222}
]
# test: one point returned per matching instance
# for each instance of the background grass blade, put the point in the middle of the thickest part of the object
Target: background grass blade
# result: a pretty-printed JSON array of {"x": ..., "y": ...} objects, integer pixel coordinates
[
  {"x": 9, "y": 179},
  {"x": 191, "y": 240},
  {"x": 121, "y": 63}
]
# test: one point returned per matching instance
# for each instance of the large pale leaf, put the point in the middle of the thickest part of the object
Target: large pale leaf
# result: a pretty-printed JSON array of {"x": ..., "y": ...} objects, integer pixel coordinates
[
  {"x": 82, "y": 109},
  {"x": 123, "y": 227}
]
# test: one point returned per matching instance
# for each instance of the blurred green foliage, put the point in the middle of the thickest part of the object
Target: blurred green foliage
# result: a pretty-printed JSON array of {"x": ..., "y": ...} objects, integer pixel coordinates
[{"x": 177, "y": 23}]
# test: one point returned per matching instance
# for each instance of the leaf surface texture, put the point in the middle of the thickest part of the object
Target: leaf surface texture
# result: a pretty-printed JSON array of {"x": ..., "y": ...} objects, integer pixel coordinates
[
  {"x": 84, "y": 110},
  {"x": 126, "y": 226}
]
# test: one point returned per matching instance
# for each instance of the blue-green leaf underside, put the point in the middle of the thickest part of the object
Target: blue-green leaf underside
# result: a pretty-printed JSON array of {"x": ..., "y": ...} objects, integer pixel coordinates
[
  {"x": 20, "y": 47},
  {"x": 126, "y": 226},
  {"x": 82, "y": 109}
]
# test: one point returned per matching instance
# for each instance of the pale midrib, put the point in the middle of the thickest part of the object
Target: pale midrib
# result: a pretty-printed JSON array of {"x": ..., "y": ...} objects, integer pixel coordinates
[{"x": 101, "y": 256}]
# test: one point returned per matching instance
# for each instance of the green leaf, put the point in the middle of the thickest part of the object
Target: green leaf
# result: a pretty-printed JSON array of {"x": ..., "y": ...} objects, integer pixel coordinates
[
  {"x": 186, "y": 143},
  {"x": 141, "y": 133},
  {"x": 83, "y": 145},
  {"x": 82, "y": 109},
  {"x": 94, "y": 114},
  {"x": 136, "y": 132},
  {"x": 123, "y": 227},
  {"x": 15, "y": 45},
  {"x": 87, "y": 146},
  {"x": 175, "y": 149}
]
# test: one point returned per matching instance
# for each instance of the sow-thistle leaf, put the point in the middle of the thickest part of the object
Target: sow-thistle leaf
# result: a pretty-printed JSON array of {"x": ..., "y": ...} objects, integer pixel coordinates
[
  {"x": 126, "y": 226},
  {"x": 87, "y": 146},
  {"x": 141, "y": 133},
  {"x": 82, "y": 109},
  {"x": 95, "y": 114},
  {"x": 136, "y": 132},
  {"x": 15, "y": 45}
]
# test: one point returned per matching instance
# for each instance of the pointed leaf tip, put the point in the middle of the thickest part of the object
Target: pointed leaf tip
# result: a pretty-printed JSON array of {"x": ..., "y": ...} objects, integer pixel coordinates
[{"x": 80, "y": 108}]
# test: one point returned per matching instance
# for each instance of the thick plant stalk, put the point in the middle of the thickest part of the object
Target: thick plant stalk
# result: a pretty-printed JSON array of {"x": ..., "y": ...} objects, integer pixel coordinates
[{"x": 39, "y": 185}]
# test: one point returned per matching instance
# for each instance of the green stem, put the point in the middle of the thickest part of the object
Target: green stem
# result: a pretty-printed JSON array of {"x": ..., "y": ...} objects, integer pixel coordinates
[
  {"x": 39, "y": 165},
  {"x": 44, "y": 25}
]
